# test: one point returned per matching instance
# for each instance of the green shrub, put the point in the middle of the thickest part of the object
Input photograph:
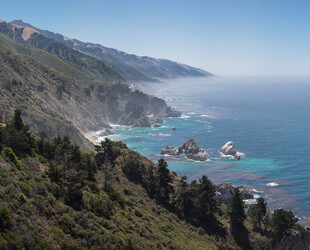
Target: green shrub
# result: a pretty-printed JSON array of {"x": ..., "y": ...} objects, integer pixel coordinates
[
  {"x": 98, "y": 204},
  {"x": 10, "y": 240},
  {"x": 127, "y": 191},
  {"x": 24, "y": 199},
  {"x": 8, "y": 154},
  {"x": 5, "y": 218},
  {"x": 138, "y": 213}
]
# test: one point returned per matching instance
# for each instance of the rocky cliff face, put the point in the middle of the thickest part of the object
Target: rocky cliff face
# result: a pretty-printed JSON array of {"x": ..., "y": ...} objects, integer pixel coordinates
[
  {"x": 225, "y": 190},
  {"x": 294, "y": 240},
  {"x": 65, "y": 98}
]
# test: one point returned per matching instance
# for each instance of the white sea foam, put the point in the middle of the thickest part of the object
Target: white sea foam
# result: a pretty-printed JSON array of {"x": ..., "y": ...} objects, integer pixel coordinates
[
  {"x": 272, "y": 184},
  {"x": 185, "y": 116},
  {"x": 256, "y": 191},
  {"x": 241, "y": 154},
  {"x": 226, "y": 156},
  {"x": 162, "y": 134},
  {"x": 114, "y": 125}
]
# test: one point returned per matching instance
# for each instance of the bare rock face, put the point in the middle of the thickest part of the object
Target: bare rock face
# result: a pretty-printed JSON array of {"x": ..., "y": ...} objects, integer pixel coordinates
[
  {"x": 190, "y": 149},
  {"x": 171, "y": 151},
  {"x": 294, "y": 240},
  {"x": 225, "y": 190},
  {"x": 156, "y": 118},
  {"x": 229, "y": 149},
  {"x": 193, "y": 152},
  {"x": 142, "y": 122},
  {"x": 170, "y": 112}
]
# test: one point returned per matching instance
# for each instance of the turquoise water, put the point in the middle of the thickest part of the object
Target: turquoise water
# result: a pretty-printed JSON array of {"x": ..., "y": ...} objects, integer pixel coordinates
[{"x": 267, "y": 119}]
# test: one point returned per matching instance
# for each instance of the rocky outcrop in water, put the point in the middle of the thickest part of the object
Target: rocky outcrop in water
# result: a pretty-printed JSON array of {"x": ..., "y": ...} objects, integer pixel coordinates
[
  {"x": 171, "y": 151},
  {"x": 225, "y": 190},
  {"x": 170, "y": 112},
  {"x": 229, "y": 149},
  {"x": 190, "y": 149}
]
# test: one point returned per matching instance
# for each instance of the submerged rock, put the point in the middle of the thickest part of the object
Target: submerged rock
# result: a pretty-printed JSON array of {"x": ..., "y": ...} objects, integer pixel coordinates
[
  {"x": 229, "y": 149},
  {"x": 190, "y": 149},
  {"x": 225, "y": 190}
]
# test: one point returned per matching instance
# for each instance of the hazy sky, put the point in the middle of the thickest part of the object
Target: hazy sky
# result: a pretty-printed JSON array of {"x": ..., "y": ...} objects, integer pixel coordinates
[{"x": 225, "y": 37}]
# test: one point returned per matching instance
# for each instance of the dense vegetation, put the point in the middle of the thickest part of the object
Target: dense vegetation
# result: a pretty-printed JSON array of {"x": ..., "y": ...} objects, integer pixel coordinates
[{"x": 53, "y": 195}]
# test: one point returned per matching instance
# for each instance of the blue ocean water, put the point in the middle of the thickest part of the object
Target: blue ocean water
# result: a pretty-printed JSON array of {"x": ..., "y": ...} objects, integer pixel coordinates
[{"x": 268, "y": 120}]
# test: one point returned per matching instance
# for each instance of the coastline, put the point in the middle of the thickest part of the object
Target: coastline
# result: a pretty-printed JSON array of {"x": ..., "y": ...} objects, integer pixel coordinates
[
  {"x": 211, "y": 125},
  {"x": 219, "y": 168}
]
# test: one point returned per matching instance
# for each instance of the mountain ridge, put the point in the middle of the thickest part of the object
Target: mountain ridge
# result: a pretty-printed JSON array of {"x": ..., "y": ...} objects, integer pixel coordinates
[{"x": 134, "y": 67}]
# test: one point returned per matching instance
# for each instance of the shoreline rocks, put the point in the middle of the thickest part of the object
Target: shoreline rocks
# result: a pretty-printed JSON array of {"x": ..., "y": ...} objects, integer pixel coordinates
[
  {"x": 106, "y": 132},
  {"x": 142, "y": 122},
  {"x": 171, "y": 151},
  {"x": 190, "y": 149},
  {"x": 224, "y": 192},
  {"x": 156, "y": 118},
  {"x": 229, "y": 149}
]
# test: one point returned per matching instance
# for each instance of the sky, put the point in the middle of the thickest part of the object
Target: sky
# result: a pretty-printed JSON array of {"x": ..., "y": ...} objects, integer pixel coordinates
[{"x": 224, "y": 37}]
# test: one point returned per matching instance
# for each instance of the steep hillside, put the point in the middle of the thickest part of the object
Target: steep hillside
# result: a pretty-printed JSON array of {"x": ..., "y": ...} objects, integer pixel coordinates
[
  {"x": 132, "y": 67},
  {"x": 159, "y": 68},
  {"x": 55, "y": 196},
  {"x": 97, "y": 67},
  {"x": 55, "y": 95}
]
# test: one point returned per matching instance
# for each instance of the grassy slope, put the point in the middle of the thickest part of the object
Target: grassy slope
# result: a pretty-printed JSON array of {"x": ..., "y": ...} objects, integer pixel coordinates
[
  {"x": 141, "y": 223},
  {"x": 42, "y": 109},
  {"x": 80, "y": 60},
  {"x": 77, "y": 72}
]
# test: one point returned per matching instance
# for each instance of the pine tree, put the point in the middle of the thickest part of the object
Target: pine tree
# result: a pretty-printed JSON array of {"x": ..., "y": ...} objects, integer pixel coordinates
[
  {"x": 282, "y": 221},
  {"x": 258, "y": 211},
  {"x": 17, "y": 120},
  {"x": 236, "y": 210},
  {"x": 163, "y": 181}
]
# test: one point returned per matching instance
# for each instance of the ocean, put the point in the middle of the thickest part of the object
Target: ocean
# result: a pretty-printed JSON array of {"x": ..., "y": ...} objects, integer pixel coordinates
[{"x": 268, "y": 120}]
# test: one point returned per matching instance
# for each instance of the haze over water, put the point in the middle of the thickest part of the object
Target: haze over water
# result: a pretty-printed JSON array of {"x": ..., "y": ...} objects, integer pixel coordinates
[{"x": 267, "y": 119}]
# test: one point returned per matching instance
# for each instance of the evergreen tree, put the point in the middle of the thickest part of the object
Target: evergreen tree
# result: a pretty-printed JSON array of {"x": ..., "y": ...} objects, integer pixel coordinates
[
  {"x": 105, "y": 152},
  {"x": 17, "y": 120},
  {"x": 282, "y": 221},
  {"x": 236, "y": 210},
  {"x": 258, "y": 212},
  {"x": 18, "y": 136},
  {"x": 163, "y": 181},
  {"x": 207, "y": 201}
]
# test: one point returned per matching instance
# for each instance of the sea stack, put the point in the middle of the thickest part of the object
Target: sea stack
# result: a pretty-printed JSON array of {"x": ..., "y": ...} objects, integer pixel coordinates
[
  {"x": 190, "y": 149},
  {"x": 229, "y": 149}
]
